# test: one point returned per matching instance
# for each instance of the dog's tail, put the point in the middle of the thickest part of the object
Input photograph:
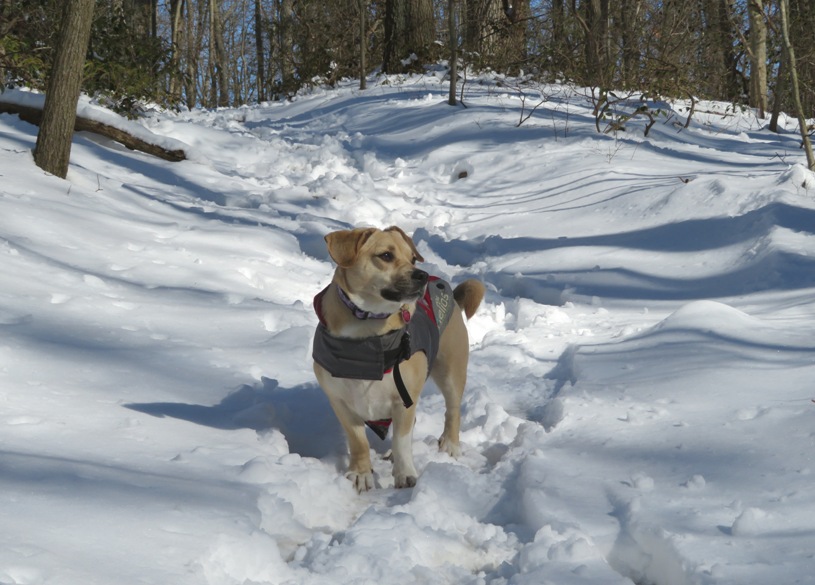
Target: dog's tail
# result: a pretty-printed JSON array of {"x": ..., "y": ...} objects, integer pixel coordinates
[{"x": 469, "y": 295}]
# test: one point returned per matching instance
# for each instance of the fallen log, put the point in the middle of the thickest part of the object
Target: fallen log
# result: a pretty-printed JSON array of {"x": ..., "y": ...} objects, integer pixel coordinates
[{"x": 33, "y": 115}]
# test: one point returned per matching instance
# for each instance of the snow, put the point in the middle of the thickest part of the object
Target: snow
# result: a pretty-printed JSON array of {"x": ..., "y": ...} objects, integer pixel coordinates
[{"x": 639, "y": 406}]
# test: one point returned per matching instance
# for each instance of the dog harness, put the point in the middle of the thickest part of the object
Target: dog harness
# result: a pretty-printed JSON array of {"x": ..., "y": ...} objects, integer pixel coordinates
[{"x": 370, "y": 358}]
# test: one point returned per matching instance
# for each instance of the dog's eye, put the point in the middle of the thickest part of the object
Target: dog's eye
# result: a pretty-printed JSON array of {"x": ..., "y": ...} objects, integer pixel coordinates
[
  {"x": 386, "y": 256},
  {"x": 415, "y": 259}
]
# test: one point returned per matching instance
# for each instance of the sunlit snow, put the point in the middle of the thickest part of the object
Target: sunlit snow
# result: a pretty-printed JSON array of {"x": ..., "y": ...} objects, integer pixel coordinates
[{"x": 640, "y": 400}]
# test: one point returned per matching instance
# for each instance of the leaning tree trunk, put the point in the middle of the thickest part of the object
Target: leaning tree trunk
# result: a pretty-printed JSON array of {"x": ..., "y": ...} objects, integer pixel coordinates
[
  {"x": 53, "y": 150},
  {"x": 796, "y": 94}
]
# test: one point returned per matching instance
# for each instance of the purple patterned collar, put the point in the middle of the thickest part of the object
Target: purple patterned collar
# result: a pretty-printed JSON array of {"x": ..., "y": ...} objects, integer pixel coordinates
[{"x": 359, "y": 313}]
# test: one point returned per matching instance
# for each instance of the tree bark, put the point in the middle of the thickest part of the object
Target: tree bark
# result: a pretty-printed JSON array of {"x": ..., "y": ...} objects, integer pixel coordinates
[
  {"x": 218, "y": 55},
  {"x": 758, "y": 57},
  {"x": 286, "y": 45},
  {"x": 778, "y": 93},
  {"x": 53, "y": 150},
  {"x": 481, "y": 20},
  {"x": 596, "y": 30},
  {"x": 630, "y": 38},
  {"x": 793, "y": 73},
  {"x": 260, "y": 53},
  {"x": 409, "y": 29},
  {"x": 363, "y": 45},
  {"x": 452, "y": 35},
  {"x": 176, "y": 31}
]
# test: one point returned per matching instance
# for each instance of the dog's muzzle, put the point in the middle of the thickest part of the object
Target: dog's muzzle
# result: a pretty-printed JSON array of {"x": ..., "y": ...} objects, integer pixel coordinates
[{"x": 407, "y": 289}]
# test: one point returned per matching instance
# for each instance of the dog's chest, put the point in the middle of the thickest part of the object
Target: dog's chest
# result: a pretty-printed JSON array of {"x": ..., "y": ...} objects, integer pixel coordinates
[{"x": 369, "y": 399}]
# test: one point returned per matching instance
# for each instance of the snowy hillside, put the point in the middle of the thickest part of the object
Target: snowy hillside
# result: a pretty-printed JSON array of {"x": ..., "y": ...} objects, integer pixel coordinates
[{"x": 640, "y": 404}]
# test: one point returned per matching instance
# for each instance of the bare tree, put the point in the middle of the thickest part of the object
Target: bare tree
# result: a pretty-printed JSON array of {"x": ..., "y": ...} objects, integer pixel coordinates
[
  {"x": 217, "y": 56},
  {"x": 409, "y": 30},
  {"x": 630, "y": 41},
  {"x": 793, "y": 73},
  {"x": 176, "y": 32},
  {"x": 595, "y": 27},
  {"x": 758, "y": 56},
  {"x": 495, "y": 32},
  {"x": 260, "y": 52},
  {"x": 363, "y": 45},
  {"x": 452, "y": 36},
  {"x": 53, "y": 150},
  {"x": 285, "y": 44}
]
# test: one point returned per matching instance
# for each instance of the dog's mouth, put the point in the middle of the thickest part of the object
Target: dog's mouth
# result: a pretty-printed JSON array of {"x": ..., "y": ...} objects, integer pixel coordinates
[{"x": 406, "y": 290}]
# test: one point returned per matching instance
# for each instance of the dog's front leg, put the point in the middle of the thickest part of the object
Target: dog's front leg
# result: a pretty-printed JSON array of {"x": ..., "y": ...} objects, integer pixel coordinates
[
  {"x": 360, "y": 471},
  {"x": 404, "y": 471},
  {"x": 414, "y": 373}
]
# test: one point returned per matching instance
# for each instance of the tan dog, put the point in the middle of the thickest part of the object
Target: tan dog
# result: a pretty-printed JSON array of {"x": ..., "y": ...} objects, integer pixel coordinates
[{"x": 365, "y": 310}]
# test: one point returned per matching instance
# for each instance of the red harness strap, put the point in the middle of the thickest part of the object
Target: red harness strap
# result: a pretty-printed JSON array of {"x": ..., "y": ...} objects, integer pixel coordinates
[
  {"x": 318, "y": 304},
  {"x": 380, "y": 427}
]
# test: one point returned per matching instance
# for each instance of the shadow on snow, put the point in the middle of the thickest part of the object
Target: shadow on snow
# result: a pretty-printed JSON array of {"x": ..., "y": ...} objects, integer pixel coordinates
[{"x": 301, "y": 413}]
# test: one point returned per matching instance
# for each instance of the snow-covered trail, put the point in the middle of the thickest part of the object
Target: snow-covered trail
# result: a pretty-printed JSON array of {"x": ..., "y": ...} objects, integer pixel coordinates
[{"x": 639, "y": 404}]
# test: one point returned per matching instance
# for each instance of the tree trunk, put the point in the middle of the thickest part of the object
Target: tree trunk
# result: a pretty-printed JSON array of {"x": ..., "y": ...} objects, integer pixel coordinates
[
  {"x": 778, "y": 93},
  {"x": 558, "y": 42},
  {"x": 194, "y": 48},
  {"x": 260, "y": 53},
  {"x": 801, "y": 21},
  {"x": 422, "y": 29},
  {"x": 452, "y": 35},
  {"x": 176, "y": 31},
  {"x": 139, "y": 16},
  {"x": 481, "y": 23},
  {"x": 630, "y": 39},
  {"x": 596, "y": 29},
  {"x": 793, "y": 72},
  {"x": 286, "y": 45},
  {"x": 758, "y": 57},
  {"x": 218, "y": 55},
  {"x": 409, "y": 29},
  {"x": 730, "y": 87},
  {"x": 53, "y": 150},
  {"x": 363, "y": 45},
  {"x": 154, "y": 19}
]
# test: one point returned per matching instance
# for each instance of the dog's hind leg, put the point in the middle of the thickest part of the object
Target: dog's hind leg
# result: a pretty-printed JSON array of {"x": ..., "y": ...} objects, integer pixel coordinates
[
  {"x": 452, "y": 388},
  {"x": 450, "y": 375}
]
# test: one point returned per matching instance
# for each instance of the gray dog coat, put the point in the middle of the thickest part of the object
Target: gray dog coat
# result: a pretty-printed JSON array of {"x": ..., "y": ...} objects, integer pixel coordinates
[{"x": 370, "y": 358}]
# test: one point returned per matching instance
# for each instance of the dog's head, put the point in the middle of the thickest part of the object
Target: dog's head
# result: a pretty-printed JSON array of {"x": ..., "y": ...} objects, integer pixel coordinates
[{"x": 377, "y": 268}]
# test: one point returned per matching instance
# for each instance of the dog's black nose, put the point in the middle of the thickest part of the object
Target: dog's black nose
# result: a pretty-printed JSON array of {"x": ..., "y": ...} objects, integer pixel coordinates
[{"x": 419, "y": 276}]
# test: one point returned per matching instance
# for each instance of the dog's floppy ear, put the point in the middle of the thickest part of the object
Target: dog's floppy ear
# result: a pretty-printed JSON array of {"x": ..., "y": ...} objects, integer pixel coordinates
[
  {"x": 344, "y": 245},
  {"x": 408, "y": 239}
]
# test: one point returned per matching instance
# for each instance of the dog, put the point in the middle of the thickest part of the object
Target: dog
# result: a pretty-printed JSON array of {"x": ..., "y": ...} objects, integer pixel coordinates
[{"x": 385, "y": 327}]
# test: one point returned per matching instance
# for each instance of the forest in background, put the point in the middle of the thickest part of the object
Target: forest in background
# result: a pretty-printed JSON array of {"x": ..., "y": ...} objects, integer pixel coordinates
[{"x": 209, "y": 53}]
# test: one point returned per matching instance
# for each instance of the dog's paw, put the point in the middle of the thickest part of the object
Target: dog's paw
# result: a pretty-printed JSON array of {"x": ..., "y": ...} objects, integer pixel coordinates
[
  {"x": 404, "y": 481},
  {"x": 449, "y": 447},
  {"x": 362, "y": 480}
]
